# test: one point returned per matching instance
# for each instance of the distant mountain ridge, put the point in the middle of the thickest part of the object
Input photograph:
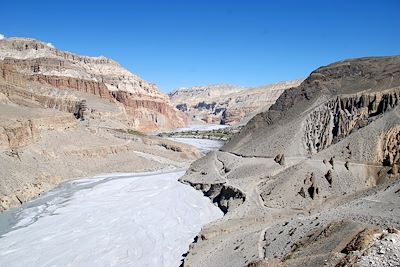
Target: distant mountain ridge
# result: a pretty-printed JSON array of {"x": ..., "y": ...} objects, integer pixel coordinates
[{"x": 227, "y": 104}]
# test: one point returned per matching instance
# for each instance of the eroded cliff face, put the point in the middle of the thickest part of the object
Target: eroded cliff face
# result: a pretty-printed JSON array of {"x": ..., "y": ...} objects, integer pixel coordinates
[
  {"x": 24, "y": 61},
  {"x": 42, "y": 147},
  {"x": 391, "y": 149},
  {"x": 21, "y": 133},
  {"x": 64, "y": 116},
  {"x": 226, "y": 197},
  {"x": 337, "y": 118},
  {"x": 18, "y": 134},
  {"x": 319, "y": 97},
  {"x": 319, "y": 171},
  {"x": 227, "y": 104},
  {"x": 165, "y": 115},
  {"x": 27, "y": 90}
]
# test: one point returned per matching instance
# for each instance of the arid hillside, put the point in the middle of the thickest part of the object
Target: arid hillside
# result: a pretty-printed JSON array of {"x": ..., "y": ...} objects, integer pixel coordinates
[
  {"x": 313, "y": 181},
  {"x": 227, "y": 104},
  {"x": 138, "y": 104},
  {"x": 64, "y": 116}
]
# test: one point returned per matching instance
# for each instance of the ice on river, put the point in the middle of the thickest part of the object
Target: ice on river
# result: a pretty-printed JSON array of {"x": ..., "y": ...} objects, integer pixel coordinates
[
  {"x": 114, "y": 220},
  {"x": 203, "y": 145},
  {"x": 202, "y": 127}
]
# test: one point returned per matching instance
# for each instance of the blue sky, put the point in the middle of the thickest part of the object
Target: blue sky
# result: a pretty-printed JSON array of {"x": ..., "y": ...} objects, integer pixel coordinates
[{"x": 197, "y": 42}]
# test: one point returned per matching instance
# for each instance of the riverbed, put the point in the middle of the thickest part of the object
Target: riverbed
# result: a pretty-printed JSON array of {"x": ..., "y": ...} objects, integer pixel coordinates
[{"x": 120, "y": 219}]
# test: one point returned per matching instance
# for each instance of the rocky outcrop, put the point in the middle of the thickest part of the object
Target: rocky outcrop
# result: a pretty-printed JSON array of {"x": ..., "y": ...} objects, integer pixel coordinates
[
  {"x": 18, "y": 87},
  {"x": 164, "y": 117},
  {"x": 319, "y": 169},
  {"x": 226, "y": 197},
  {"x": 25, "y": 61},
  {"x": 36, "y": 66},
  {"x": 337, "y": 118},
  {"x": 18, "y": 134},
  {"x": 235, "y": 116},
  {"x": 91, "y": 87},
  {"x": 64, "y": 116},
  {"x": 44, "y": 99},
  {"x": 227, "y": 104},
  {"x": 64, "y": 98},
  {"x": 19, "y": 131},
  {"x": 27, "y": 192},
  {"x": 391, "y": 148},
  {"x": 323, "y": 95}
]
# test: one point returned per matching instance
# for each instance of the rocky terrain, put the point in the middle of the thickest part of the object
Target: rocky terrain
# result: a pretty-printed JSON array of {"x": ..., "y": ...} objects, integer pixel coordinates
[
  {"x": 138, "y": 104},
  {"x": 64, "y": 116},
  {"x": 313, "y": 181},
  {"x": 223, "y": 134},
  {"x": 227, "y": 104}
]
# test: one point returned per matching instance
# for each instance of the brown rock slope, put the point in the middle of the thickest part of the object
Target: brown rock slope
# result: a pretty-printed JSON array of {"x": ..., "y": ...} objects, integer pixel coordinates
[
  {"x": 143, "y": 106},
  {"x": 227, "y": 104},
  {"x": 64, "y": 116},
  {"x": 314, "y": 181}
]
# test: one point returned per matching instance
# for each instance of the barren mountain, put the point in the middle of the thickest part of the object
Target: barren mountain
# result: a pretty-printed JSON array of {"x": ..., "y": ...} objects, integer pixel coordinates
[
  {"x": 64, "y": 116},
  {"x": 140, "y": 104},
  {"x": 313, "y": 181},
  {"x": 227, "y": 104}
]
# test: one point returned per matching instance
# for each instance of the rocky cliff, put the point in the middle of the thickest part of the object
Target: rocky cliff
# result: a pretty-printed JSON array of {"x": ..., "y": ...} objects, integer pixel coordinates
[
  {"x": 64, "y": 116},
  {"x": 227, "y": 104},
  {"x": 146, "y": 108},
  {"x": 313, "y": 181}
]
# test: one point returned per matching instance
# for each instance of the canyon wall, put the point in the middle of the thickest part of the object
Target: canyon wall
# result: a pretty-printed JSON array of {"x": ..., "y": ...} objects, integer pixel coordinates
[
  {"x": 27, "y": 60},
  {"x": 64, "y": 116},
  {"x": 227, "y": 104}
]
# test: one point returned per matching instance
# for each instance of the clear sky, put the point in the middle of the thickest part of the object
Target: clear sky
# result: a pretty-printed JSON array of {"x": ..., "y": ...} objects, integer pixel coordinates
[{"x": 197, "y": 42}]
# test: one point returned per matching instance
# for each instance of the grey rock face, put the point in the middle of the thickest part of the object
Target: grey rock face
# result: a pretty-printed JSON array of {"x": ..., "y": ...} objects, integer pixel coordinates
[{"x": 339, "y": 185}]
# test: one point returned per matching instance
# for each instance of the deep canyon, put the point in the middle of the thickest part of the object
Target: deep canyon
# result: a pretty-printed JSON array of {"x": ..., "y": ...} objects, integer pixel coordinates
[{"x": 297, "y": 173}]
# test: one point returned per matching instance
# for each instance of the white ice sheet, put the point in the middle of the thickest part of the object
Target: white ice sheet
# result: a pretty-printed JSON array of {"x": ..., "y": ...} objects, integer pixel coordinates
[{"x": 147, "y": 220}]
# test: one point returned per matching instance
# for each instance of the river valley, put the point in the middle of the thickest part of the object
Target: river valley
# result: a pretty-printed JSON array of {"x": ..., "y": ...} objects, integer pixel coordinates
[{"x": 117, "y": 219}]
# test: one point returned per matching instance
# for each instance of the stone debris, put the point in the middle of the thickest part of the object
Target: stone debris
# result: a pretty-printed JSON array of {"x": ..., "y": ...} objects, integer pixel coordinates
[{"x": 280, "y": 159}]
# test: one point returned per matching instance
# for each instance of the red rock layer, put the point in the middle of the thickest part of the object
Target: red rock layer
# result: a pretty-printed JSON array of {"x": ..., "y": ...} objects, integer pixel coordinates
[
  {"x": 91, "y": 87},
  {"x": 147, "y": 113}
]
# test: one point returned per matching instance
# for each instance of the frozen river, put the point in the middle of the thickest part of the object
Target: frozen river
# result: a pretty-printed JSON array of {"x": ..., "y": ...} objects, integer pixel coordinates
[
  {"x": 145, "y": 219},
  {"x": 203, "y": 145}
]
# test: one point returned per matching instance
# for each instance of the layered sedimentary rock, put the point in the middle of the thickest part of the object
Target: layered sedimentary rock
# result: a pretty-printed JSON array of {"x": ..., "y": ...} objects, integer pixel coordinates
[
  {"x": 227, "y": 104},
  {"x": 64, "y": 116},
  {"x": 319, "y": 171},
  {"x": 40, "y": 148},
  {"x": 27, "y": 59}
]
